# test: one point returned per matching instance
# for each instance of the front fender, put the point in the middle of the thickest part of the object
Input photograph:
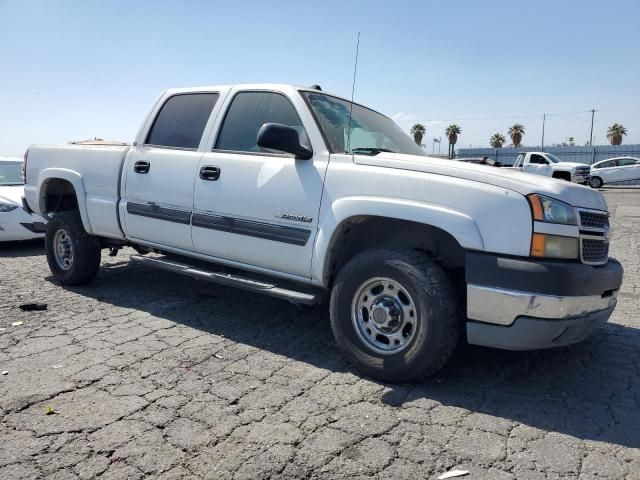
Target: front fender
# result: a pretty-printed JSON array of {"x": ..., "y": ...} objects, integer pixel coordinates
[
  {"x": 459, "y": 225},
  {"x": 75, "y": 179}
]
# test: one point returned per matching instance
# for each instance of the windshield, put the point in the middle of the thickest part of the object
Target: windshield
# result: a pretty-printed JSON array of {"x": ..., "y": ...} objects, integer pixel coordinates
[
  {"x": 369, "y": 133},
  {"x": 11, "y": 173},
  {"x": 553, "y": 158}
]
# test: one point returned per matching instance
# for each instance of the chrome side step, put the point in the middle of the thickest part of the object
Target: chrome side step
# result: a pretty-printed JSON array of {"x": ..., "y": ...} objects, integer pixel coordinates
[{"x": 246, "y": 283}]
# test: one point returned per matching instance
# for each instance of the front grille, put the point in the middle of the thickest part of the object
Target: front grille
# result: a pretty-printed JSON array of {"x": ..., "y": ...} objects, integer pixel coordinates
[
  {"x": 595, "y": 251},
  {"x": 583, "y": 169},
  {"x": 594, "y": 237},
  {"x": 594, "y": 220}
]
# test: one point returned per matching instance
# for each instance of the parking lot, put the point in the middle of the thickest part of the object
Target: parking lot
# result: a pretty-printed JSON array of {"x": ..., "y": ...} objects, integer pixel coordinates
[{"x": 148, "y": 374}]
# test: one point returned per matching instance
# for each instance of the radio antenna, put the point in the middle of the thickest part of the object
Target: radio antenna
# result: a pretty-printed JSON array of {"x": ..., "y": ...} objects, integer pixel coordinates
[{"x": 353, "y": 89}]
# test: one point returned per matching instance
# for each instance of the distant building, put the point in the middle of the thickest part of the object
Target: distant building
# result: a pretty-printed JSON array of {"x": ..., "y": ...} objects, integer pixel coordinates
[{"x": 99, "y": 141}]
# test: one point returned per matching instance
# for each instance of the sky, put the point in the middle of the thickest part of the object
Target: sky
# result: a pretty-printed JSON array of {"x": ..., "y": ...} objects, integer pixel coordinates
[{"x": 72, "y": 70}]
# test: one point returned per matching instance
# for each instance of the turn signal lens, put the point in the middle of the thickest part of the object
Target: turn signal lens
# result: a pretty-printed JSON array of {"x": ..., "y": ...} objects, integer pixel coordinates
[
  {"x": 554, "y": 246},
  {"x": 538, "y": 242},
  {"x": 536, "y": 207}
]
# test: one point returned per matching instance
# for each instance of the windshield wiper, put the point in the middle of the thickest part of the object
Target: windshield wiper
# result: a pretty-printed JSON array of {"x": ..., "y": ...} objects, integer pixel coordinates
[{"x": 370, "y": 150}]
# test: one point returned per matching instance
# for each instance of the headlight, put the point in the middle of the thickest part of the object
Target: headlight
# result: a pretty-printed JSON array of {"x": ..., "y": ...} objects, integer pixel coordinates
[
  {"x": 546, "y": 209},
  {"x": 7, "y": 207},
  {"x": 554, "y": 246}
]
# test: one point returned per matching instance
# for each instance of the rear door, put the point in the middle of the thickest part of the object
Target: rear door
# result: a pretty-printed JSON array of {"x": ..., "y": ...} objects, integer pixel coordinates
[
  {"x": 258, "y": 207},
  {"x": 628, "y": 169},
  {"x": 161, "y": 169}
]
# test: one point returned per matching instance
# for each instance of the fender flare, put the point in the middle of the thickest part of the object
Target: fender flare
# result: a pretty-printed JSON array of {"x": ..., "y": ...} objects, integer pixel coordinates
[
  {"x": 459, "y": 225},
  {"x": 75, "y": 179}
]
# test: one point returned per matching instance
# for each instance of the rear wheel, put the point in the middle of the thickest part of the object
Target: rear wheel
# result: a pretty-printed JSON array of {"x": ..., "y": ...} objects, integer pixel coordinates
[
  {"x": 73, "y": 255},
  {"x": 393, "y": 314},
  {"x": 595, "y": 182}
]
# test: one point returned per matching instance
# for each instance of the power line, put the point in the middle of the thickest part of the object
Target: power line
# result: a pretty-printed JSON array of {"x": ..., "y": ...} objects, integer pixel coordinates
[{"x": 537, "y": 115}]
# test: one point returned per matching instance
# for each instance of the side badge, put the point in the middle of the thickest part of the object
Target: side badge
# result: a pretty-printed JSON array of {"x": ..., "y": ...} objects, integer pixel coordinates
[{"x": 295, "y": 218}]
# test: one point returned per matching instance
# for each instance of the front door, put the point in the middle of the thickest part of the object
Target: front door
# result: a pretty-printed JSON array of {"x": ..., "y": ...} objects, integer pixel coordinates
[
  {"x": 252, "y": 206},
  {"x": 539, "y": 165},
  {"x": 159, "y": 174}
]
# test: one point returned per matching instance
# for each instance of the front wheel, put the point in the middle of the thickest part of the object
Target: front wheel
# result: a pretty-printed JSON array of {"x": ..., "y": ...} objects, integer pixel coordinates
[
  {"x": 393, "y": 314},
  {"x": 72, "y": 254},
  {"x": 595, "y": 182}
]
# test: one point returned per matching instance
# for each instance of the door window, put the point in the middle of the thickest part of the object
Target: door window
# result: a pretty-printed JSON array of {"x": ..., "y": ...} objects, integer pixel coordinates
[
  {"x": 538, "y": 159},
  {"x": 626, "y": 162},
  {"x": 608, "y": 164},
  {"x": 181, "y": 121},
  {"x": 248, "y": 112}
]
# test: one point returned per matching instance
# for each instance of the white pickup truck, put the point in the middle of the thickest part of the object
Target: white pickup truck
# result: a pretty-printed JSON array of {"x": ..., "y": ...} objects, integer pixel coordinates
[
  {"x": 547, "y": 164},
  {"x": 303, "y": 195}
]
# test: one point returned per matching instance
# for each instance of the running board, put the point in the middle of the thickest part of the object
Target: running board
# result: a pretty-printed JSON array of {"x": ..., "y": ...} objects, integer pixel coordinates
[{"x": 228, "y": 279}]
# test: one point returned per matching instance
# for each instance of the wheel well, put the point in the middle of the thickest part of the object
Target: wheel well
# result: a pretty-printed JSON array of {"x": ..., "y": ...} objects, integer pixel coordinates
[
  {"x": 364, "y": 232},
  {"x": 59, "y": 195},
  {"x": 562, "y": 175}
]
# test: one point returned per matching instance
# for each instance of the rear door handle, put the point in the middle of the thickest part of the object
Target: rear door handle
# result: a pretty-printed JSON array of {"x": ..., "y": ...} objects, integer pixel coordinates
[
  {"x": 141, "y": 167},
  {"x": 210, "y": 173}
]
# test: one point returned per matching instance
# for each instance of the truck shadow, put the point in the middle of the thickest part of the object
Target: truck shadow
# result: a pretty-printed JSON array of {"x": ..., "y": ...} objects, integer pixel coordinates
[
  {"x": 590, "y": 391},
  {"x": 25, "y": 248}
]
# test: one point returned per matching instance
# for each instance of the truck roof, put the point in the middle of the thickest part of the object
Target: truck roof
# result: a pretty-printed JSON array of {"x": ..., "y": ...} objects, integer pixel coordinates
[
  {"x": 262, "y": 86},
  {"x": 255, "y": 86},
  {"x": 243, "y": 86}
]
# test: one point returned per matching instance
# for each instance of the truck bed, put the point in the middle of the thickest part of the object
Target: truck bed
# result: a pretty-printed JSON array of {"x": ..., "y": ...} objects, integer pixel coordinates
[{"x": 93, "y": 170}]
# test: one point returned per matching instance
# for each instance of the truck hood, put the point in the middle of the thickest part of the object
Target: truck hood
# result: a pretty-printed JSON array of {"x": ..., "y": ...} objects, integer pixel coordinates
[
  {"x": 569, "y": 165},
  {"x": 12, "y": 194},
  {"x": 512, "y": 179}
]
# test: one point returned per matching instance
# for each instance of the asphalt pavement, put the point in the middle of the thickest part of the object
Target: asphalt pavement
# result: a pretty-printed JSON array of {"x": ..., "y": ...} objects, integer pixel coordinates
[{"x": 149, "y": 374}]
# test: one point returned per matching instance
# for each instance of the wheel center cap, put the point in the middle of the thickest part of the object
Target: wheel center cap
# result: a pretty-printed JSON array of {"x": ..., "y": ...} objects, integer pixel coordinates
[{"x": 380, "y": 315}]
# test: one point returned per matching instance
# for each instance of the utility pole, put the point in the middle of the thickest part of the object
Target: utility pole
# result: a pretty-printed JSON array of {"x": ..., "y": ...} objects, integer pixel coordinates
[
  {"x": 544, "y": 118},
  {"x": 591, "y": 134}
]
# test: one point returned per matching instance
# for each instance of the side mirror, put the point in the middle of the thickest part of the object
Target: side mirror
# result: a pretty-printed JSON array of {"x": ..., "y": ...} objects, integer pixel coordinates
[{"x": 284, "y": 138}]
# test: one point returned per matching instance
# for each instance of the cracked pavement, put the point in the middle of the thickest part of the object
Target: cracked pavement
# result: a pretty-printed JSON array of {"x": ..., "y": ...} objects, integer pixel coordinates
[{"x": 155, "y": 375}]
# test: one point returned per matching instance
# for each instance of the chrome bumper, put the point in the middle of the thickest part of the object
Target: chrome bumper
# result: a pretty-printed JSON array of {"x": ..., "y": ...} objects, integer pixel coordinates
[
  {"x": 580, "y": 178},
  {"x": 502, "y": 307}
]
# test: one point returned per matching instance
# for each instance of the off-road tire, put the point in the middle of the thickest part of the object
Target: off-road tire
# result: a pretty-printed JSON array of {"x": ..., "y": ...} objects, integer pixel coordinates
[
  {"x": 595, "y": 182},
  {"x": 86, "y": 249},
  {"x": 438, "y": 323}
]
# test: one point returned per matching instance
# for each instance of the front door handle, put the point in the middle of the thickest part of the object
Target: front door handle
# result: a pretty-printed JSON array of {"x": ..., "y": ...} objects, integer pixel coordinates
[
  {"x": 210, "y": 173},
  {"x": 141, "y": 167}
]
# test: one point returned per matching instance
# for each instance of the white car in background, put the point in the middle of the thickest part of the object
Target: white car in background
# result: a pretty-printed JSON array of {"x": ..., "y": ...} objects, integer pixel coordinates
[
  {"x": 15, "y": 222},
  {"x": 615, "y": 171}
]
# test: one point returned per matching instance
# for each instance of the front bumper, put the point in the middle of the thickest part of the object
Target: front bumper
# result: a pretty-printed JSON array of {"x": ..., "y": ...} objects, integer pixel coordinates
[
  {"x": 584, "y": 179},
  {"x": 524, "y": 304}
]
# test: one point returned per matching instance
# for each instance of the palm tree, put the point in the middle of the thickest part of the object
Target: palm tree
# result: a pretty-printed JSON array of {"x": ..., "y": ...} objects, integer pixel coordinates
[
  {"x": 452, "y": 132},
  {"x": 497, "y": 140},
  {"x": 516, "y": 132},
  {"x": 615, "y": 133},
  {"x": 418, "y": 131}
]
